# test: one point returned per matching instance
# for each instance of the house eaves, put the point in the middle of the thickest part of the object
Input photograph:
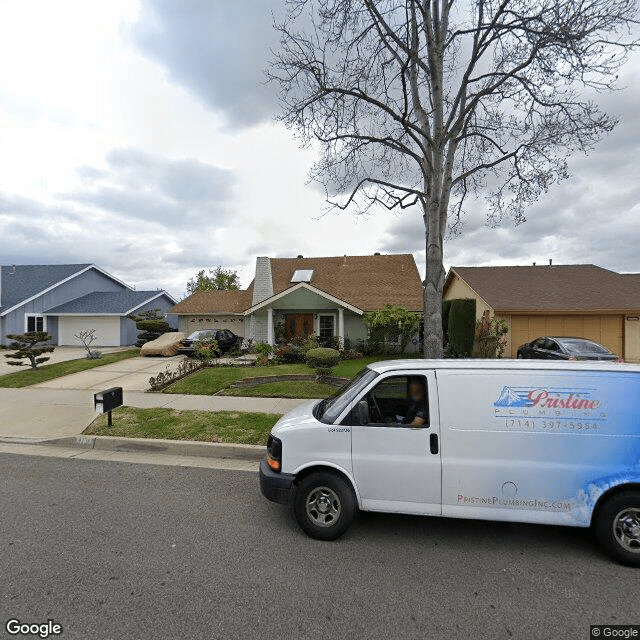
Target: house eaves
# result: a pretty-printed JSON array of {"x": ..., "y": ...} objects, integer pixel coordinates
[{"x": 297, "y": 287}]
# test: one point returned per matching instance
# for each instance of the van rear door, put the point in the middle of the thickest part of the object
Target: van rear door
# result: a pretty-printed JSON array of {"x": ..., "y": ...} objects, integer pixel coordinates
[{"x": 397, "y": 466}]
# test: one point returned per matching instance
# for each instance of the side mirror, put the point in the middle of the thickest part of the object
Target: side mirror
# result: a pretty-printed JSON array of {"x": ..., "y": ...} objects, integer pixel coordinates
[{"x": 361, "y": 412}]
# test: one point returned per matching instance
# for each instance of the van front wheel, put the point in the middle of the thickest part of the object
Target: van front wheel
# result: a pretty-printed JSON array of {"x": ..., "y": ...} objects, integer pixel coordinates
[
  {"x": 618, "y": 527},
  {"x": 324, "y": 505}
]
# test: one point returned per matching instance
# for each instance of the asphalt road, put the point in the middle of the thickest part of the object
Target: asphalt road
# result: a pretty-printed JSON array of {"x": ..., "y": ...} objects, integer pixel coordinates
[{"x": 134, "y": 551}]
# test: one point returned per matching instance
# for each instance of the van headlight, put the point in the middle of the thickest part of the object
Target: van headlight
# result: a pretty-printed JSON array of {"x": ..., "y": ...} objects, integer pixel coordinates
[{"x": 274, "y": 453}]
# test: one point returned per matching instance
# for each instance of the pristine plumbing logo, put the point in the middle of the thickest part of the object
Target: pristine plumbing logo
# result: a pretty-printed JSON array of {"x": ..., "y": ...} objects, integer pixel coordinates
[{"x": 541, "y": 398}]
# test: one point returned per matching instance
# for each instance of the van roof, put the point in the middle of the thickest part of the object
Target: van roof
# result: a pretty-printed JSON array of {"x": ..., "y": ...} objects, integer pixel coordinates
[{"x": 492, "y": 365}]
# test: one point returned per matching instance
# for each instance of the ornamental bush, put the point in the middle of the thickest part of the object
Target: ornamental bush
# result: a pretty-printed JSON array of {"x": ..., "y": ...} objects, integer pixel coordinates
[
  {"x": 322, "y": 360},
  {"x": 462, "y": 327}
]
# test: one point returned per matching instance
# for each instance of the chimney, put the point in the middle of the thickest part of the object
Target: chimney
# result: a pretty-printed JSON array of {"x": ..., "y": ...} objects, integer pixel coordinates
[
  {"x": 263, "y": 281},
  {"x": 550, "y": 262}
]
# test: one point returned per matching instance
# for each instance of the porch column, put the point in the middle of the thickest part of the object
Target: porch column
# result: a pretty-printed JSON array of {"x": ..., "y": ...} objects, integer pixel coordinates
[
  {"x": 270, "y": 339},
  {"x": 341, "y": 327}
]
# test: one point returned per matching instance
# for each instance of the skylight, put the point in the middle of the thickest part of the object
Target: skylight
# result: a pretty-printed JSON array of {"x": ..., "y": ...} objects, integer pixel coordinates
[{"x": 302, "y": 275}]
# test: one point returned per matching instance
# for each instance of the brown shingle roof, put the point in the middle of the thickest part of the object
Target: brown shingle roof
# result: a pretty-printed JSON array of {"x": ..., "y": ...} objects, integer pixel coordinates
[
  {"x": 215, "y": 302},
  {"x": 366, "y": 282},
  {"x": 563, "y": 287}
]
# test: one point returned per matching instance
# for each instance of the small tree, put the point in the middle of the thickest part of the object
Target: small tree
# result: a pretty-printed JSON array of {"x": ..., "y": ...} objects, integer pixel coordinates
[
  {"x": 28, "y": 346},
  {"x": 391, "y": 323},
  {"x": 151, "y": 324},
  {"x": 217, "y": 279},
  {"x": 88, "y": 337}
]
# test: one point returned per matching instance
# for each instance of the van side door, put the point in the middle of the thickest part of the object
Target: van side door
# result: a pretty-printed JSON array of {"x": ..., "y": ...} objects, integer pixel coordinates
[{"x": 395, "y": 444}]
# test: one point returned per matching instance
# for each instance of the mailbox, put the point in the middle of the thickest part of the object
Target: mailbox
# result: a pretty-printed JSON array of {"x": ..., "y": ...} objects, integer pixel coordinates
[{"x": 108, "y": 400}]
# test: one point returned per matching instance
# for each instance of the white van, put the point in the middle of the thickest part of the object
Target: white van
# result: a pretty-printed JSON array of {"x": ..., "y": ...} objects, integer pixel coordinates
[{"x": 522, "y": 441}]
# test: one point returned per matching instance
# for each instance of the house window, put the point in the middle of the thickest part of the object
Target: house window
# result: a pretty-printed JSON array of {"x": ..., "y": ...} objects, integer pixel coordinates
[
  {"x": 35, "y": 323},
  {"x": 326, "y": 327}
]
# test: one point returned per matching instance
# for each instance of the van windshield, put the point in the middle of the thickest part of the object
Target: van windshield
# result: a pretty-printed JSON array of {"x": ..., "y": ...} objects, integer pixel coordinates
[{"x": 329, "y": 409}]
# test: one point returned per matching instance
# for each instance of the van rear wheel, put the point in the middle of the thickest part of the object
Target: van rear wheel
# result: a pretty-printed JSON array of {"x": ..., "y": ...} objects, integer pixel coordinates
[
  {"x": 618, "y": 527},
  {"x": 324, "y": 505}
]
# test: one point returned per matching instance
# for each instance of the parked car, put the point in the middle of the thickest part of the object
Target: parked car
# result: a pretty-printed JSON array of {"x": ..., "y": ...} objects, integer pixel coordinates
[
  {"x": 226, "y": 340},
  {"x": 512, "y": 441},
  {"x": 555, "y": 348}
]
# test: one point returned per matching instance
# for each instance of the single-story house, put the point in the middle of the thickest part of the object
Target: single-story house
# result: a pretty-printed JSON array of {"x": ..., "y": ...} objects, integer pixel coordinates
[
  {"x": 301, "y": 296},
  {"x": 584, "y": 301},
  {"x": 65, "y": 299}
]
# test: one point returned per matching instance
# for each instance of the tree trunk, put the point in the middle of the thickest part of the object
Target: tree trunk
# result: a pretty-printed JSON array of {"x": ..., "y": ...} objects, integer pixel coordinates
[{"x": 433, "y": 283}]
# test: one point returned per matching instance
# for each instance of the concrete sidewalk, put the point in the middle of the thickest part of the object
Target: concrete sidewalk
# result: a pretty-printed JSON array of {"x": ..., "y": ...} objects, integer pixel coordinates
[{"x": 56, "y": 413}]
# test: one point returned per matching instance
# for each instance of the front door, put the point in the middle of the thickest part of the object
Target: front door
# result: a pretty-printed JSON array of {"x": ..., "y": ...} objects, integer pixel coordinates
[
  {"x": 298, "y": 325},
  {"x": 396, "y": 455}
]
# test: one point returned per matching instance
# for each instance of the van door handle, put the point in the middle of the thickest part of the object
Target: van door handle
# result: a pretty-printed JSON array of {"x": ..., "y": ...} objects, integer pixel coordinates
[{"x": 433, "y": 443}]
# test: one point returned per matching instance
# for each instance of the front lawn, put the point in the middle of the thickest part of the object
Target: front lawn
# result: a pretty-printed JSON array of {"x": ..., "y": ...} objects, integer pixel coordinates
[
  {"x": 27, "y": 376},
  {"x": 293, "y": 389},
  {"x": 171, "y": 424},
  {"x": 208, "y": 382}
]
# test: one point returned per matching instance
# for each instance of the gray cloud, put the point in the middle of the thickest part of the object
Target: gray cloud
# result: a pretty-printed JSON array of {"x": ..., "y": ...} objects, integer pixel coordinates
[
  {"x": 218, "y": 49},
  {"x": 156, "y": 189}
]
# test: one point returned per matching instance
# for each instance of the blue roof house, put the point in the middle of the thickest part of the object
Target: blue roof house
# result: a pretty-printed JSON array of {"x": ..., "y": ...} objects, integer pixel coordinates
[{"x": 65, "y": 299}]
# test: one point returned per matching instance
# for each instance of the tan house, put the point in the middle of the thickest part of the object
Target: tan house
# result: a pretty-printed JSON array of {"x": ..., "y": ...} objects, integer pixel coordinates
[
  {"x": 301, "y": 296},
  {"x": 583, "y": 301}
]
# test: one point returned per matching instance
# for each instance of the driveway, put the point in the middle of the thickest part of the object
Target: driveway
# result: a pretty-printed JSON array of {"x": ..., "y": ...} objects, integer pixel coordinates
[
  {"x": 132, "y": 375},
  {"x": 61, "y": 354}
]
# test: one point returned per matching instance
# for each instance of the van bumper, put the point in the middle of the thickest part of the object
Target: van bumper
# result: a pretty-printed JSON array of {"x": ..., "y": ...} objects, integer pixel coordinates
[{"x": 275, "y": 486}]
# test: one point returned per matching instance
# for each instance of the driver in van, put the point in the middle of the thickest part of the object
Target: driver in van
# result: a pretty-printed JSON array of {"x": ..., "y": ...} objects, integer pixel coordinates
[{"x": 418, "y": 412}]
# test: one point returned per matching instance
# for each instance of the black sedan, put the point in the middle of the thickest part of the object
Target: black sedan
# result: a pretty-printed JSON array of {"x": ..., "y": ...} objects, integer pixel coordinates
[
  {"x": 555, "y": 348},
  {"x": 226, "y": 340}
]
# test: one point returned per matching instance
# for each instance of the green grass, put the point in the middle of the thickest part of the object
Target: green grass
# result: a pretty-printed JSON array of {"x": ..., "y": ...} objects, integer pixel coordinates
[
  {"x": 171, "y": 424},
  {"x": 211, "y": 381},
  {"x": 293, "y": 389},
  {"x": 25, "y": 377}
]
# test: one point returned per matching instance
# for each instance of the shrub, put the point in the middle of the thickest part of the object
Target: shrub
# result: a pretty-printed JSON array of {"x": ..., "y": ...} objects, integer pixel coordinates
[
  {"x": 322, "y": 360},
  {"x": 205, "y": 350},
  {"x": 462, "y": 327},
  {"x": 264, "y": 350},
  {"x": 446, "y": 308},
  {"x": 289, "y": 354},
  {"x": 489, "y": 338},
  {"x": 169, "y": 375},
  {"x": 392, "y": 324}
]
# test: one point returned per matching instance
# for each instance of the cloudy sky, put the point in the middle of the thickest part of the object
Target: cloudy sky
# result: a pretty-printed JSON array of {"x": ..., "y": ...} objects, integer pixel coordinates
[{"x": 140, "y": 136}]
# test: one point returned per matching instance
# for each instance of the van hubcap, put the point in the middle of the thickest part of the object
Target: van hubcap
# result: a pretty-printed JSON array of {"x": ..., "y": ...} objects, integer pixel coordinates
[
  {"x": 626, "y": 528},
  {"x": 323, "y": 506}
]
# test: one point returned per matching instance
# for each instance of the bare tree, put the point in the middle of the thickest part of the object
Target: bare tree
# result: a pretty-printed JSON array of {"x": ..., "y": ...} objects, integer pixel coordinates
[{"x": 426, "y": 102}]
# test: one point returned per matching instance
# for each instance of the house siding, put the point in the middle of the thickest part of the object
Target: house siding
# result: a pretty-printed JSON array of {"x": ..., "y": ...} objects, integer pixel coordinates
[{"x": 81, "y": 285}]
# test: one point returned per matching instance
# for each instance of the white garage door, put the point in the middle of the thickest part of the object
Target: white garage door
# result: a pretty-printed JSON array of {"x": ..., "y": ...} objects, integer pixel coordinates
[{"x": 107, "y": 330}]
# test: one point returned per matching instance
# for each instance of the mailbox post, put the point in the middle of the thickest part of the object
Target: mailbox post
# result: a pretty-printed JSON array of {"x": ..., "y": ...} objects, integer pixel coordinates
[{"x": 108, "y": 400}]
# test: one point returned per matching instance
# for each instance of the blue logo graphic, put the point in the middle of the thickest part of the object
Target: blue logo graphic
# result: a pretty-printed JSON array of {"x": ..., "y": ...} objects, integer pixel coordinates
[{"x": 512, "y": 397}]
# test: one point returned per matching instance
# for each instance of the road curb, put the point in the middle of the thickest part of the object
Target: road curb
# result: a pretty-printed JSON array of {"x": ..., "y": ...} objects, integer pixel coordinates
[{"x": 247, "y": 452}]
